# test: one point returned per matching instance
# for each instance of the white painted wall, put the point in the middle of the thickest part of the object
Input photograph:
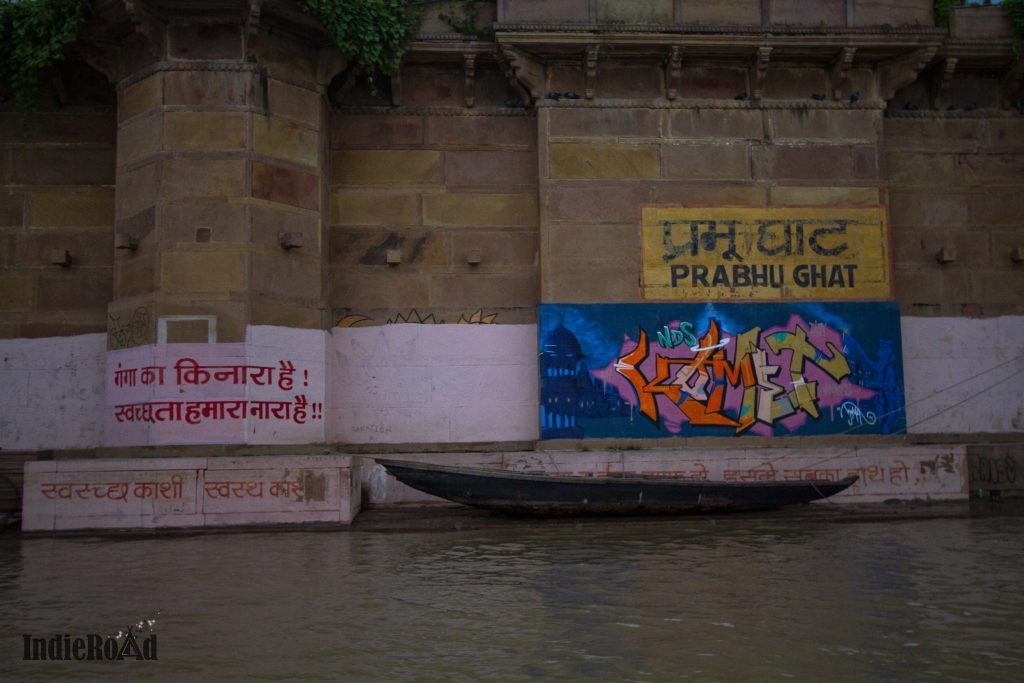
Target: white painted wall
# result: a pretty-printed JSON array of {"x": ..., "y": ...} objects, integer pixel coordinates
[
  {"x": 412, "y": 383},
  {"x": 51, "y": 392},
  {"x": 964, "y": 375}
]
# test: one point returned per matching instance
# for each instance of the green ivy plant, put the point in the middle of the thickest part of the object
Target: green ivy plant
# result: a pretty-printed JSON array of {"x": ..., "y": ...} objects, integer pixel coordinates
[
  {"x": 375, "y": 33},
  {"x": 461, "y": 16},
  {"x": 34, "y": 36},
  {"x": 1015, "y": 11}
]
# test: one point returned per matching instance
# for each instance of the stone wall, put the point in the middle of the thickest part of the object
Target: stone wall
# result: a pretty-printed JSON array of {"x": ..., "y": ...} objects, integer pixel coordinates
[
  {"x": 433, "y": 216},
  {"x": 57, "y": 211}
]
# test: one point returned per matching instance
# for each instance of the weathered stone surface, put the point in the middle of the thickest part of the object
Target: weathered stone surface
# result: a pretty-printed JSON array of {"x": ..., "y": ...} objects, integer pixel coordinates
[
  {"x": 599, "y": 203},
  {"x": 374, "y": 131},
  {"x": 591, "y": 281},
  {"x": 918, "y": 169},
  {"x": 806, "y": 162},
  {"x": 926, "y": 208},
  {"x": 140, "y": 97},
  {"x": 794, "y": 83},
  {"x": 572, "y": 122},
  {"x": 76, "y": 127},
  {"x": 205, "y": 41},
  {"x": 16, "y": 292},
  {"x": 990, "y": 169},
  {"x": 512, "y": 170},
  {"x": 204, "y": 130},
  {"x": 923, "y": 134},
  {"x": 209, "y": 88},
  {"x": 386, "y": 167},
  {"x": 137, "y": 189},
  {"x": 707, "y": 161},
  {"x": 225, "y": 221},
  {"x": 825, "y": 196},
  {"x": 135, "y": 274},
  {"x": 289, "y": 274},
  {"x": 185, "y": 178},
  {"x": 634, "y": 11},
  {"x": 303, "y": 105},
  {"x": 12, "y": 209},
  {"x": 427, "y": 85},
  {"x": 996, "y": 208},
  {"x": 71, "y": 289},
  {"x": 480, "y": 289},
  {"x": 379, "y": 287},
  {"x": 265, "y": 310},
  {"x": 721, "y": 12},
  {"x": 800, "y": 12},
  {"x": 483, "y": 210},
  {"x": 603, "y": 161},
  {"x": 89, "y": 247},
  {"x": 79, "y": 207},
  {"x": 370, "y": 246},
  {"x": 498, "y": 248},
  {"x": 893, "y": 12},
  {"x": 81, "y": 166},
  {"x": 629, "y": 81},
  {"x": 214, "y": 273},
  {"x": 716, "y": 123},
  {"x": 139, "y": 138},
  {"x": 374, "y": 208},
  {"x": 518, "y": 131},
  {"x": 825, "y": 124},
  {"x": 286, "y": 186},
  {"x": 706, "y": 194},
  {"x": 712, "y": 82},
  {"x": 283, "y": 139},
  {"x": 580, "y": 240},
  {"x": 269, "y": 221},
  {"x": 543, "y": 11}
]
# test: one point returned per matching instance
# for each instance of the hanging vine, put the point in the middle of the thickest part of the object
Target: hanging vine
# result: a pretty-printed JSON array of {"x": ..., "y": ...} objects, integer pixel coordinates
[
  {"x": 375, "y": 33},
  {"x": 34, "y": 36}
]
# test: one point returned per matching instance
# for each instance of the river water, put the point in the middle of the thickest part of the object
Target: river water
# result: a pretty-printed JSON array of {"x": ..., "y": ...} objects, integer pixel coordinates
[{"x": 461, "y": 596}]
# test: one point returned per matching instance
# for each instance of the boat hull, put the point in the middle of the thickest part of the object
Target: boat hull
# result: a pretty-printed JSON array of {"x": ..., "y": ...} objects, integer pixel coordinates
[{"x": 523, "y": 493}]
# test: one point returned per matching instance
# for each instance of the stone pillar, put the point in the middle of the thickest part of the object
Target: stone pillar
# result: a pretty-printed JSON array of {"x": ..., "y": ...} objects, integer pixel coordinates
[{"x": 218, "y": 200}]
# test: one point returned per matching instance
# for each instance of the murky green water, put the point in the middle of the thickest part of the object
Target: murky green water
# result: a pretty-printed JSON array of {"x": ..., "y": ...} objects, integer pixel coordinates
[{"x": 768, "y": 597}]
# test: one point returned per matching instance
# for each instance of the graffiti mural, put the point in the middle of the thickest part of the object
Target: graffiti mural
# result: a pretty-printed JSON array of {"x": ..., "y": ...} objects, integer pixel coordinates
[{"x": 678, "y": 370}]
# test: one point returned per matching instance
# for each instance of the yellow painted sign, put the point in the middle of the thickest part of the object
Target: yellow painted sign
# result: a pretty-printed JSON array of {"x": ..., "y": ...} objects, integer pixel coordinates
[{"x": 737, "y": 254}]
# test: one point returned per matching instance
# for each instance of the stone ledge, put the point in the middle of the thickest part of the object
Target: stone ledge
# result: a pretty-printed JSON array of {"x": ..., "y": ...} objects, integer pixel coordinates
[{"x": 151, "y": 493}]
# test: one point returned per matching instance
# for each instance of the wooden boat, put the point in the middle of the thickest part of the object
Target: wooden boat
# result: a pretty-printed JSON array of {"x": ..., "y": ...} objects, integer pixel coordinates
[{"x": 528, "y": 493}]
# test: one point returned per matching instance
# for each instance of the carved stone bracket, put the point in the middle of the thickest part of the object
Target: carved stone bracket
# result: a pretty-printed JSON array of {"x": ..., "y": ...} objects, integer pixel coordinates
[
  {"x": 839, "y": 74},
  {"x": 590, "y": 71},
  {"x": 469, "y": 61},
  {"x": 902, "y": 71},
  {"x": 673, "y": 71},
  {"x": 940, "y": 78},
  {"x": 758, "y": 71},
  {"x": 525, "y": 74}
]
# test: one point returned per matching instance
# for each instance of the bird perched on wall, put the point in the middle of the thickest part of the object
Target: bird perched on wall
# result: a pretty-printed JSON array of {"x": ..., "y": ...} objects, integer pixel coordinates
[
  {"x": 741, "y": 96},
  {"x": 817, "y": 96},
  {"x": 552, "y": 95},
  {"x": 571, "y": 95},
  {"x": 971, "y": 106},
  {"x": 855, "y": 97},
  {"x": 909, "y": 106}
]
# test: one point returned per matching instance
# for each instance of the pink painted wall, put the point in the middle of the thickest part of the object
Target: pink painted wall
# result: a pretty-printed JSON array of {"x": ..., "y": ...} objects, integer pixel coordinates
[
  {"x": 51, "y": 392},
  {"x": 425, "y": 383},
  {"x": 269, "y": 389},
  {"x": 964, "y": 375},
  {"x": 433, "y": 383}
]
